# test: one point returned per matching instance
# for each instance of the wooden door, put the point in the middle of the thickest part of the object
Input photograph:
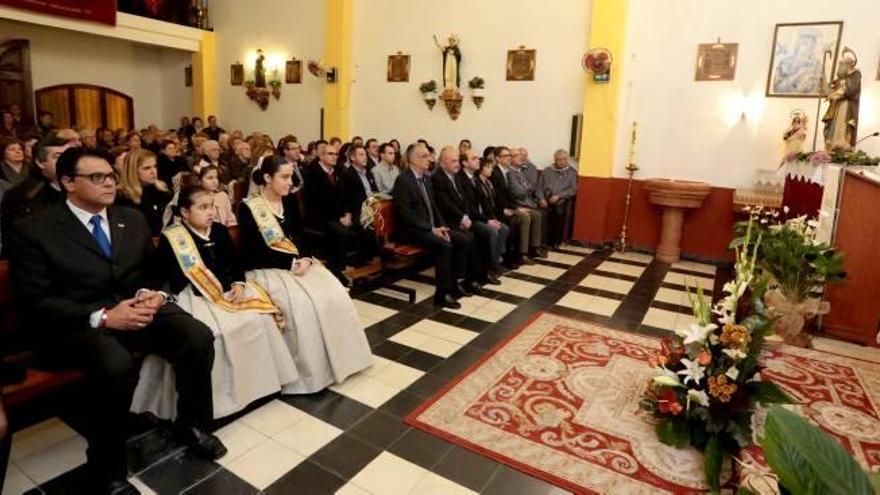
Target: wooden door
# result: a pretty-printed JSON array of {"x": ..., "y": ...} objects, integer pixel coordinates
[
  {"x": 87, "y": 106},
  {"x": 15, "y": 79}
]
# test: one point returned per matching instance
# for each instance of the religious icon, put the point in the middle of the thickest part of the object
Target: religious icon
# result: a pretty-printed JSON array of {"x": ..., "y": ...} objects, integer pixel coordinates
[
  {"x": 188, "y": 76},
  {"x": 798, "y": 60},
  {"x": 521, "y": 64},
  {"x": 716, "y": 61},
  {"x": 260, "y": 70},
  {"x": 451, "y": 62},
  {"x": 293, "y": 71},
  {"x": 398, "y": 68},
  {"x": 843, "y": 93},
  {"x": 236, "y": 74},
  {"x": 795, "y": 135}
]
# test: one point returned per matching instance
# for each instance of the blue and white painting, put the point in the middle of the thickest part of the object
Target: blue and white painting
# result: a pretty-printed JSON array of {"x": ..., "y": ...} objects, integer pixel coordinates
[{"x": 797, "y": 58}]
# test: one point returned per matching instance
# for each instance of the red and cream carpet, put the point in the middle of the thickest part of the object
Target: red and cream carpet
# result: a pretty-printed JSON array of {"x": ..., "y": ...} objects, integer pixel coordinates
[{"x": 560, "y": 400}]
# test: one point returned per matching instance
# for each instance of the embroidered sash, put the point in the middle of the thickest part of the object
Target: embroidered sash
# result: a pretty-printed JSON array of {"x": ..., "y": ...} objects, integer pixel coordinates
[
  {"x": 269, "y": 227},
  {"x": 205, "y": 281}
]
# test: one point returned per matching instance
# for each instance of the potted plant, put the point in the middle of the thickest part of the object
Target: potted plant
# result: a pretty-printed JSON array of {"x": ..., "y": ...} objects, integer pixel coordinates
[
  {"x": 429, "y": 93},
  {"x": 797, "y": 268},
  {"x": 276, "y": 88},
  {"x": 477, "y": 84}
]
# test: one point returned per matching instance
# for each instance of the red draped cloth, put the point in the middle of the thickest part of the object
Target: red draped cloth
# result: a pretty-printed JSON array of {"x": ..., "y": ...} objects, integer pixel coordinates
[{"x": 802, "y": 197}]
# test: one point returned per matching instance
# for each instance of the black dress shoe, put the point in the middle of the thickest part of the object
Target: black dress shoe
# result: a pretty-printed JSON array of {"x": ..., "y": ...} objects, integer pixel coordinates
[
  {"x": 100, "y": 485},
  {"x": 344, "y": 280},
  {"x": 202, "y": 443},
  {"x": 474, "y": 288},
  {"x": 491, "y": 279},
  {"x": 460, "y": 290},
  {"x": 527, "y": 260},
  {"x": 446, "y": 301}
]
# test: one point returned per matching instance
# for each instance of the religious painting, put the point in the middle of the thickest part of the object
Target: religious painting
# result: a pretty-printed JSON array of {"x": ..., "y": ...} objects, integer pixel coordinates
[
  {"x": 716, "y": 61},
  {"x": 803, "y": 55},
  {"x": 398, "y": 68},
  {"x": 293, "y": 71},
  {"x": 521, "y": 64},
  {"x": 236, "y": 74},
  {"x": 188, "y": 76}
]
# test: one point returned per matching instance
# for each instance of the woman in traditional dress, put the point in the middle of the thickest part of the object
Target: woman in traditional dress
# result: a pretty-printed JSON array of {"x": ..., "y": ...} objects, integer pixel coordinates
[
  {"x": 321, "y": 325},
  {"x": 196, "y": 260}
]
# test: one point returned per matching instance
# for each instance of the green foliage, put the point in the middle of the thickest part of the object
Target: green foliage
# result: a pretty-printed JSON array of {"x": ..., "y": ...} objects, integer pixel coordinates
[
  {"x": 477, "y": 82},
  {"x": 807, "y": 460},
  {"x": 848, "y": 157},
  {"x": 674, "y": 432},
  {"x": 428, "y": 87},
  {"x": 714, "y": 458},
  {"x": 768, "y": 393}
]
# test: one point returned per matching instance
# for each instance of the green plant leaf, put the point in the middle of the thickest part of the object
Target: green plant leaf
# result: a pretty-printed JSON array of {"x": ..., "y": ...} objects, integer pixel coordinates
[
  {"x": 744, "y": 491},
  {"x": 831, "y": 468},
  {"x": 786, "y": 462},
  {"x": 875, "y": 482},
  {"x": 674, "y": 432},
  {"x": 714, "y": 458},
  {"x": 767, "y": 392}
]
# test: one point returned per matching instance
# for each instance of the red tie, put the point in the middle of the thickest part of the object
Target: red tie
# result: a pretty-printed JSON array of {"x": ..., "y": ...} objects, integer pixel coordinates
[{"x": 331, "y": 177}]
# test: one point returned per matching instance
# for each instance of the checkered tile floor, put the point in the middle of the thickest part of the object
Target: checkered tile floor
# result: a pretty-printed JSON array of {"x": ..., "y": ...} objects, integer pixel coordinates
[{"x": 350, "y": 439}]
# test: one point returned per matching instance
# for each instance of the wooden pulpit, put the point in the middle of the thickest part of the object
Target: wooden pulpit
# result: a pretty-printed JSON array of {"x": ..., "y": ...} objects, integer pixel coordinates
[{"x": 855, "y": 303}]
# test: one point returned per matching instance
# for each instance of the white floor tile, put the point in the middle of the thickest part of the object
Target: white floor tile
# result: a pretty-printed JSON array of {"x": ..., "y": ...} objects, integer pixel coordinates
[
  {"x": 565, "y": 259},
  {"x": 379, "y": 363},
  {"x": 672, "y": 296},
  {"x": 621, "y": 268},
  {"x": 40, "y": 436},
  {"x": 373, "y": 311},
  {"x": 389, "y": 474},
  {"x": 428, "y": 273},
  {"x": 689, "y": 281},
  {"x": 272, "y": 417},
  {"x": 238, "y": 439},
  {"x": 591, "y": 304},
  {"x": 398, "y": 375},
  {"x": 695, "y": 267},
  {"x": 55, "y": 460},
  {"x": 444, "y": 331},
  {"x": 141, "y": 486},
  {"x": 660, "y": 318},
  {"x": 351, "y": 489},
  {"x": 307, "y": 436},
  {"x": 265, "y": 463},
  {"x": 16, "y": 482},
  {"x": 366, "y": 390},
  {"x": 434, "y": 484},
  {"x": 541, "y": 271},
  {"x": 427, "y": 343},
  {"x": 517, "y": 287},
  {"x": 607, "y": 284},
  {"x": 637, "y": 257},
  {"x": 575, "y": 300}
]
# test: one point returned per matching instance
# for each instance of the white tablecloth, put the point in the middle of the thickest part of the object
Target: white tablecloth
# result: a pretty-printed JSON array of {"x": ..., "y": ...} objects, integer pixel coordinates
[{"x": 815, "y": 173}]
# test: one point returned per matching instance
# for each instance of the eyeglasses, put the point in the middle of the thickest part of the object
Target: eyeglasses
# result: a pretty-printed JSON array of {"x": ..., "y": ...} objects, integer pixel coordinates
[
  {"x": 293, "y": 148},
  {"x": 99, "y": 178},
  {"x": 505, "y": 155},
  {"x": 332, "y": 153}
]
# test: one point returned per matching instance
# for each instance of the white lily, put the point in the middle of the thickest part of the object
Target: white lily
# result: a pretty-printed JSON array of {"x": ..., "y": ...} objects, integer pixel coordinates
[
  {"x": 735, "y": 354},
  {"x": 698, "y": 396},
  {"x": 695, "y": 333},
  {"x": 692, "y": 371},
  {"x": 732, "y": 373}
]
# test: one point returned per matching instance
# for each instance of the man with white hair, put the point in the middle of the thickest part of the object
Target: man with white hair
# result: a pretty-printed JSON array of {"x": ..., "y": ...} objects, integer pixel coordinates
[
  {"x": 210, "y": 152},
  {"x": 556, "y": 191}
]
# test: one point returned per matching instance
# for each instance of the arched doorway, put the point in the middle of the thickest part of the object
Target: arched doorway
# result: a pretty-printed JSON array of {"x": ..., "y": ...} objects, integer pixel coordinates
[
  {"x": 15, "y": 78},
  {"x": 87, "y": 105}
]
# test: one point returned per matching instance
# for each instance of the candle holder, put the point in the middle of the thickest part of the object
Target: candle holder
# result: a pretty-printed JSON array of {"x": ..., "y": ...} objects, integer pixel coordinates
[{"x": 631, "y": 169}]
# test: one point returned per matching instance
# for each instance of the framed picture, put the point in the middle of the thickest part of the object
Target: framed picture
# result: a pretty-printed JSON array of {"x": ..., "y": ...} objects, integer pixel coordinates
[
  {"x": 236, "y": 74},
  {"x": 521, "y": 64},
  {"x": 716, "y": 61},
  {"x": 293, "y": 71},
  {"x": 188, "y": 76},
  {"x": 803, "y": 55},
  {"x": 398, "y": 68}
]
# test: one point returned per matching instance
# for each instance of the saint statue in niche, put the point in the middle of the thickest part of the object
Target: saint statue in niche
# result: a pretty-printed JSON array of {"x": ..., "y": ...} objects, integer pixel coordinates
[
  {"x": 842, "y": 118},
  {"x": 451, "y": 62},
  {"x": 260, "y": 70}
]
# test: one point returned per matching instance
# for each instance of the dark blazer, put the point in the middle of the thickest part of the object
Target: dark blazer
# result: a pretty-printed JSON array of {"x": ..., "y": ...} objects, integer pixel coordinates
[
  {"x": 152, "y": 205},
  {"x": 59, "y": 274},
  {"x": 449, "y": 199},
  {"x": 257, "y": 254},
  {"x": 475, "y": 208},
  {"x": 503, "y": 197},
  {"x": 487, "y": 196},
  {"x": 32, "y": 196},
  {"x": 353, "y": 194},
  {"x": 323, "y": 198},
  {"x": 410, "y": 210}
]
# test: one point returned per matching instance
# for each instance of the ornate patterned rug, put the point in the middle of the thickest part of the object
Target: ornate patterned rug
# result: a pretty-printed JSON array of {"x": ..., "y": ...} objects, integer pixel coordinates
[{"x": 559, "y": 400}]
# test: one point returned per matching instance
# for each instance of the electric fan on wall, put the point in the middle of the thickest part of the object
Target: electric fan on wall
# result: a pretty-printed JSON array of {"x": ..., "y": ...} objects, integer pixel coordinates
[{"x": 598, "y": 62}]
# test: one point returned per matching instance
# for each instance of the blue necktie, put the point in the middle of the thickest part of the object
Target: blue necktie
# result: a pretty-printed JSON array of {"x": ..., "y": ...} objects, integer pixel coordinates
[{"x": 100, "y": 236}]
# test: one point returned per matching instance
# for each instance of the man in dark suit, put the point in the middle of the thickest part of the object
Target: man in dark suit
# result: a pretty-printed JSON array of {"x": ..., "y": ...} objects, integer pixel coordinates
[
  {"x": 420, "y": 222},
  {"x": 518, "y": 219},
  {"x": 358, "y": 183},
  {"x": 495, "y": 233},
  {"x": 449, "y": 195},
  {"x": 326, "y": 211},
  {"x": 79, "y": 274}
]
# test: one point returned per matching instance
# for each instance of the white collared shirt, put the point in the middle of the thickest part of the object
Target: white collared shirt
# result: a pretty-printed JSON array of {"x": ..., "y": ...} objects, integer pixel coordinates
[{"x": 85, "y": 218}]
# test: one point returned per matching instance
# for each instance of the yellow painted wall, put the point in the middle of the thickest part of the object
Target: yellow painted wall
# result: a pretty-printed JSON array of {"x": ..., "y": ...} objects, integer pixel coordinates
[
  {"x": 602, "y": 100},
  {"x": 338, "y": 53},
  {"x": 204, "y": 83}
]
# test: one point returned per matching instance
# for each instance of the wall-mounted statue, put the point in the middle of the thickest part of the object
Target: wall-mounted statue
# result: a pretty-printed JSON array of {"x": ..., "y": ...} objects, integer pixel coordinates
[
  {"x": 451, "y": 62},
  {"x": 260, "y": 70},
  {"x": 795, "y": 135},
  {"x": 842, "y": 118}
]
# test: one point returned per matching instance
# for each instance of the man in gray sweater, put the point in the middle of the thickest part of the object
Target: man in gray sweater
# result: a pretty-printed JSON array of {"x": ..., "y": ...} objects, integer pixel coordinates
[{"x": 556, "y": 191}]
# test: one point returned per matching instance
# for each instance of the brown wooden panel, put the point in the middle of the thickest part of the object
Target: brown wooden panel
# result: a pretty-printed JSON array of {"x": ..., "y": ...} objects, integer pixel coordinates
[
  {"x": 56, "y": 100},
  {"x": 118, "y": 111},
  {"x": 88, "y": 107}
]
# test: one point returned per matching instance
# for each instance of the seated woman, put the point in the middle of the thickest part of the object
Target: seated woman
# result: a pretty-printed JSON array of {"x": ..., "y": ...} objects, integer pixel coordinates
[
  {"x": 197, "y": 262},
  {"x": 141, "y": 189},
  {"x": 321, "y": 325}
]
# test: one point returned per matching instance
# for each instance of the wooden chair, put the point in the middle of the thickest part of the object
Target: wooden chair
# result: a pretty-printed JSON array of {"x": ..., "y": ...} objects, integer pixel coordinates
[{"x": 394, "y": 255}]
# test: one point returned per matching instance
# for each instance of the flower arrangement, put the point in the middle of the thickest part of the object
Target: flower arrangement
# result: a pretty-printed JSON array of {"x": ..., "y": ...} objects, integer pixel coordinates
[
  {"x": 857, "y": 158},
  {"x": 429, "y": 93},
  {"x": 707, "y": 383},
  {"x": 477, "y": 82}
]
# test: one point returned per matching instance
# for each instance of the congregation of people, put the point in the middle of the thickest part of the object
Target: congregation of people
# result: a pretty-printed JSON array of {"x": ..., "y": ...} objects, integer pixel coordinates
[{"x": 220, "y": 258}]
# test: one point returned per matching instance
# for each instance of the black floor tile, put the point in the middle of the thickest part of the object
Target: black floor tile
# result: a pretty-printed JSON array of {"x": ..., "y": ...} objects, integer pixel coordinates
[
  {"x": 426, "y": 386},
  {"x": 419, "y": 360},
  {"x": 307, "y": 478},
  {"x": 151, "y": 447},
  {"x": 467, "y": 468},
  {"x": 391, "y": 350},
  {"x": 508, "y": 481},
  {"x": 420, "y": 448},
  {"x": 402, "y": 404},
  {"x": 224, "y": 482},
  {"x": 73, "y": 482},
  {"x": 379, "y": 429},
  {"x": 342, "y": 412},
  {"x": 345, "y": 455},
  {"x": 178, "y": 473},
  {"x": 312, "y": 402}
]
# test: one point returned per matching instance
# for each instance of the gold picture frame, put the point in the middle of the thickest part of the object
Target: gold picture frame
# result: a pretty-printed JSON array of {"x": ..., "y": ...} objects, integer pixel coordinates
[
  {"x": 293, "y": 71},
  {"x": 521, "y": 64},
  {"x": 716, "y": 61},
  {"x": 236, "y": 74},
  {"x": 798, "y": 55},
  {"x": 398, "y": 67}
]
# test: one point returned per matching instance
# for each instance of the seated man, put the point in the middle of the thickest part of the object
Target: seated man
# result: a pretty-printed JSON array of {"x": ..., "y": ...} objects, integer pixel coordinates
[
  {"x": 556, "y": 190},
  {"x": 358, "y": 183},
  {"x": 520, "y": 219},
  {"x": 482, "y": 212},
  {"x": 522, "y": 186},
  {"x": 78, "y": 273},
  {"x": 450, "y": 198},
  {"x": 386, "y": 171},
  {"x": 420, "y": 222},
  {"x": 37, "y": 192}
]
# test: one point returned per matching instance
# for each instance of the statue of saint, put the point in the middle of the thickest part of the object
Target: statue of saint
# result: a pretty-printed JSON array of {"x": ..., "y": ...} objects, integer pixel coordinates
[
  {"x": 842, "y": 118},
  {"x": 260, "y": 70},
  {"x": 795, "y": 135},
  {"x": 451, "y": 62}
]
